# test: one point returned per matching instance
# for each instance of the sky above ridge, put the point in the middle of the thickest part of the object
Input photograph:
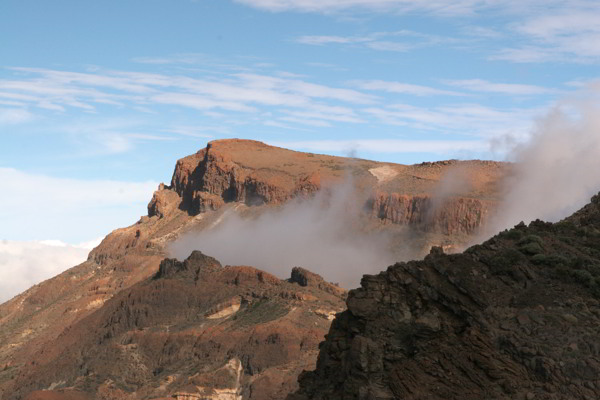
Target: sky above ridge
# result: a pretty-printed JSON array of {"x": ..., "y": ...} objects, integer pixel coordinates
[{"x": 99, "y": 99}]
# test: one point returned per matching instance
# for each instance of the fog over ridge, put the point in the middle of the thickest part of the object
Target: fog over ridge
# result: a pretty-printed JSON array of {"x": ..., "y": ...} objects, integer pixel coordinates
[{"x": 325, "y": 233}]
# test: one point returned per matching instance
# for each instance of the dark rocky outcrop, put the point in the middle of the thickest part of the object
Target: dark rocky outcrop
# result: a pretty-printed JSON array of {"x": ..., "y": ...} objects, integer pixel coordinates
[
  {"x": 304, "y": 277},
  {"x": 517, "y": 317},
  {"x": 196, "y": 265}
]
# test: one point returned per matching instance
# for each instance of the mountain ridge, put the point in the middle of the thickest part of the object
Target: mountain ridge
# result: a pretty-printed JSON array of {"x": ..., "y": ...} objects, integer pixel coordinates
[{"x": 247, "y": 178}]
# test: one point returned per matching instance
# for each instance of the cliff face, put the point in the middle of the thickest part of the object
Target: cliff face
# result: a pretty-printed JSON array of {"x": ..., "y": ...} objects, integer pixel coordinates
[
  {"x": 456, "y": 215},
  {"x": 212, "y": 177},
  {"x": 516, "y": 317}
]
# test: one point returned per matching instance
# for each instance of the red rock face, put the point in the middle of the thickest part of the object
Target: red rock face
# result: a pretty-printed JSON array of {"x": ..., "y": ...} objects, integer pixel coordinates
[
  {"x": 210, "y": 178},
  {"x": 456, "y": 215}
]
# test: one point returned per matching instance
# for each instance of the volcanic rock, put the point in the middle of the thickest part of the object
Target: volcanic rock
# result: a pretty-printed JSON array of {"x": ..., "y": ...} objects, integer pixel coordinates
[{"x": 515, "y": 317}]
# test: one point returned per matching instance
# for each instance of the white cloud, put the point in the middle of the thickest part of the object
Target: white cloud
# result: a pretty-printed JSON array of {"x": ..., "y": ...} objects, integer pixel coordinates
[
  {"x": 13, "y": 116},
  {"x": 386, "y": 45},
  {"x": 469, "y": 119},
  {"x": 482, "y": 32},
  {"x": 382, "y": 41},
  {"x": 325, "y": 116},
  {"x": 24, "y": 188},
  {"x": 570, "y": 34},
  {"x": 330, "y": 224},
  {"x": 555, "y": 173},
  {"x": 551, "y": 27},
  {"x": 442, "y": 7},
  {"x": 199, "y": 102},
  {"x": 321, "y": 40},
  {"x": 389, "y": 145},
  {"x": 307, "y": 121},
  {"x": 38, "y": 206},
  {"x": 526, "y": 54},
  {"x": 88, "y": 79},
  {"x": 405, "y": 88},
  {"x": 480, "y": 85},
  {"x": 544, "y": 30},
  {"x": 24, "y": 264},
  {"x": 204, "y": 132},
  {"x": 242, "y": 92},
  {"x": 448, "y": 8},
  {"x": 110, "y": 136}
]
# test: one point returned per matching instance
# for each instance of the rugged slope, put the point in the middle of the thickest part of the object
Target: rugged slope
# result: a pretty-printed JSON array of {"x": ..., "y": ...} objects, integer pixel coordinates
[
  {"x": 516, "y": 317},
  {"x": 194, "y": 327},
  {"x": 247, "y": 177}
]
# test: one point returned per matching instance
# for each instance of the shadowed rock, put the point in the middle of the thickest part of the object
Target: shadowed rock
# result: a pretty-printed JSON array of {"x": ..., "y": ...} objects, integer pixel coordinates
[{"x": 516, "y": 317}]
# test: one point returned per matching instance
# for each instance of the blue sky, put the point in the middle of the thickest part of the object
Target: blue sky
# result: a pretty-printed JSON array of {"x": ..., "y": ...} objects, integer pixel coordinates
[{"x": 99, "y": 99}]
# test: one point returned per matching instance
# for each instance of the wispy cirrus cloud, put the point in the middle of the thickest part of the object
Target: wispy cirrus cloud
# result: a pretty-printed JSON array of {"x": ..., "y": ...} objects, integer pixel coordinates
[
  {"x": 325, "y": 39},
  {"x": 292, "y": 97},
  {"x": 440, "y": 7},
  {"x": 571, "y": 34},
  {"x": 484, "y": 86},
  {"x": 540, "y": 31},
  {"x": 388, "y": 146},
  {"x": 237, "y": 99},
  {"x": 111, "y": 135},
  {"x": 13, "y": 116},
  {"x": 445, "y": 8},
  {"x": 396, "y": 41},
  {"x": 463, "y": 119},
  {"x": 403, "y": 88},
  {"x": 241, "y": 92}
]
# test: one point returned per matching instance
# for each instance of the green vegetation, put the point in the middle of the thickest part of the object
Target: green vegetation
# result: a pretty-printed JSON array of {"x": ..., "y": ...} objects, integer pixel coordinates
[
  {"x": 531, "y": 245},
  {"x": 503, "y": 261},
  {"x": 550, "y": 260},
  {"x": 512, "y": 234}
]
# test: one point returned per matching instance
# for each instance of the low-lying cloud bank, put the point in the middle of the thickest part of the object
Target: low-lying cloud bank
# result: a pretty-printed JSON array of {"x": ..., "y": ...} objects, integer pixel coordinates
[
  {"x": 325, "y": 233},
  {"x": 24, "y": 264}
]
